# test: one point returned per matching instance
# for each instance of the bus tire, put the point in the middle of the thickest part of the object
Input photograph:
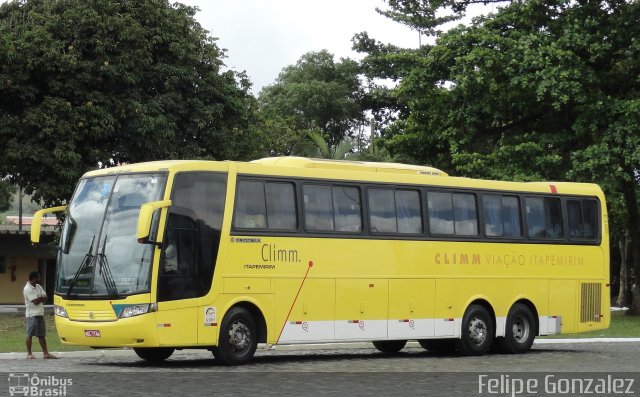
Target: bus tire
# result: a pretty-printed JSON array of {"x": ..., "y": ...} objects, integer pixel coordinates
[
  {"x": 238, "y": 338},
  {"x": 154, "y": 354},
  {"x": 438, "y": 346},
  {"x": 519, "y": 330},
  {"x": 389, "y": 346},
  {"x": 477, "y": 331}
]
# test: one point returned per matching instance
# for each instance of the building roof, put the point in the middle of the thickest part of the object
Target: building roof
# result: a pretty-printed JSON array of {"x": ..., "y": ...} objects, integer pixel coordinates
[
  {"x": 26, "y": 230},
  {"x": 26, "y": 220}
]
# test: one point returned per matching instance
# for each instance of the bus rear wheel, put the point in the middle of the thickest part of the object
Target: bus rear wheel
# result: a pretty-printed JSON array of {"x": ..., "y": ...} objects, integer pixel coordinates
[
  {"x": 154, "y": 354},
  {"x": 389, "y": 346},
  {"x": 519, "y": 330},
  {"x": 439, "y": 346},
  {"x": 477, "y": 331},
  {"x": 238, "y": 338}
]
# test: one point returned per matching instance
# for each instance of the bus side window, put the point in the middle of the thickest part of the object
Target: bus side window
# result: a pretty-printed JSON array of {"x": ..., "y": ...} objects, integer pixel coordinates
[
  {"x": 440, "y": 213},
  {"x": 511, "y": 216},
  {"x": 318, "y": 207},
  {"x": 409, "y": 211},
  {"x": 553, "y": 218},
  {"x": 582, "y": 217},
  {"x": 574, "y": 216},
  {"x": 346, "y": 208},
  {"x": 501, "y": 216},
  {"x": 395, "y": 211},
  {"x": 281, "y": 206},
  {"x": 590, "y": 218},
  {"x": 544, "y": 218},
  {"x": 382, "y": 211},
  {"x": 465, "y": 214},
  {"x": 332, "y": 208},
  {"x": 251, "y": 211},
  {"x": 492, "y": 206}
]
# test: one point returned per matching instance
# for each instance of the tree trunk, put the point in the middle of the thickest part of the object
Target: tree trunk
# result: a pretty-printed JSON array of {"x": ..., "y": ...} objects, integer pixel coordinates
[
  {"x": 633, "y": 217},
  {"x": 623, "y": 293}
]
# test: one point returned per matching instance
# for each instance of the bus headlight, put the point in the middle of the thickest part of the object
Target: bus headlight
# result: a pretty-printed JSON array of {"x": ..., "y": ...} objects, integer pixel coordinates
[
  {"x": 136, "y": 310},
  {"x": 60, "y": 311}
]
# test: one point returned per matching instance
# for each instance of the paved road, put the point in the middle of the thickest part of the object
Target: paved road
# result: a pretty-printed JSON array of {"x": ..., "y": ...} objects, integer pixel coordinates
[{"x": 314, "y": 370}]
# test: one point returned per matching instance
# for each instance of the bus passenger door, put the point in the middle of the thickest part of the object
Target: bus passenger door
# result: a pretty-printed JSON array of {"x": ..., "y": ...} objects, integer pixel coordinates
[
  {"x": 189, "y": 253},
  {"x": 361, "y": 309},
  {"x": 177, "y": 315}
]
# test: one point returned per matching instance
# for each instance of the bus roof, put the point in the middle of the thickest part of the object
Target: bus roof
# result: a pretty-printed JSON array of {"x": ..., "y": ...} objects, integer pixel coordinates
[
  {"x": 353, "y": 171},
  {"x": 303, "y": 162}
]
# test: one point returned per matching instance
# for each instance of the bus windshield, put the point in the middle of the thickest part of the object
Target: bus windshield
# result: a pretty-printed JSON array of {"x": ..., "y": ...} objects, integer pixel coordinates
[{"x": 99, "y": 253}]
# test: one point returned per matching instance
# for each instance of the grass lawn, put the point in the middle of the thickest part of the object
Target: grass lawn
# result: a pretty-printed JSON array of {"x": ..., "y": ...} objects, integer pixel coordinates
[{"x": 13, "y": 334}]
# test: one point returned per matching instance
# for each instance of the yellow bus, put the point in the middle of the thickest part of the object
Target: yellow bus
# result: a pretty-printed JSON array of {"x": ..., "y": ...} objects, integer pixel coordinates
[{"x": 223, "y": 256}]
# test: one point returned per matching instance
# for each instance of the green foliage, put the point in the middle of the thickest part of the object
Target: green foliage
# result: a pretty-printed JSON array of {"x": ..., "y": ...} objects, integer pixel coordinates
[
  {"x": 317, "y": 147},
  {"x": 519, "y": 94},
  {"x": 89, "y": 82},
  {"x": 6, "y": 193},
  {"x": 541, "y": 89},
  {"x": 315, "y": 94}
]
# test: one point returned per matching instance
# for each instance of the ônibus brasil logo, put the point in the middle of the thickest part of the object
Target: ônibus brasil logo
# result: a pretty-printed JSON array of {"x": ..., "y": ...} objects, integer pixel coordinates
[{"x": 22, "y": 384}]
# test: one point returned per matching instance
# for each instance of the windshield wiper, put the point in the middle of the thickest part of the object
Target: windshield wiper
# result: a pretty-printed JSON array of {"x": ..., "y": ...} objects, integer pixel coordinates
[
  {"x": 87, "y": 262},
  {"x": 105, "y": 270}
]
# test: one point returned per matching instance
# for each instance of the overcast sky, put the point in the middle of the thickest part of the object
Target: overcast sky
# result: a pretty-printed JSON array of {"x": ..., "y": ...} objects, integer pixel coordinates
[{"x": 262, "y": 37}]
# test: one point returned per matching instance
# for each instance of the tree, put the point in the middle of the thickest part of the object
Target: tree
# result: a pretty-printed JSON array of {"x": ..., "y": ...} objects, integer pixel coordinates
[
  {"x": 84, "y": 83},
  {"x": 6, "y": 193},
  {"x": 319, "y": 148},
  {"x": 539, "y": 90},
  {"x": 316, "y": 93}
]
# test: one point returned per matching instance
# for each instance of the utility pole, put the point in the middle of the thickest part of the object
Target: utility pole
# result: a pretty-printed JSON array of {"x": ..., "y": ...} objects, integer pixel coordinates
[
  {"x": 373, "y": 135},
  {"x": 20, "y": 208}
]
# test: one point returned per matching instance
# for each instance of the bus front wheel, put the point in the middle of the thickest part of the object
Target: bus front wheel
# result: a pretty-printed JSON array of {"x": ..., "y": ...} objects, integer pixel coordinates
[
  {"x": 389, "y": 346},
  {"x": 154, "y": 354},
  {"x": 519, "y": 330},
  {"x": 477, "y": 331},
  {"x": 238, "y": 338}
]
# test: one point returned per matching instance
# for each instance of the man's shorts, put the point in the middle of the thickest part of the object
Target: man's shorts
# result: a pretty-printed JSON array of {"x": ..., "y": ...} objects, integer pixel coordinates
[{"x": 35, "y": 326}]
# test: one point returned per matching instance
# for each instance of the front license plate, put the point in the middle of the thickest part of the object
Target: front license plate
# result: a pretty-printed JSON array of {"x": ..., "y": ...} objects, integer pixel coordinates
[{"x": 92, "y": 333}]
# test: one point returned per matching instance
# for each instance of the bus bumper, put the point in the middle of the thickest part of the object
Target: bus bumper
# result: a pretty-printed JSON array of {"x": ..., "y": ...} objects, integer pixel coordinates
[{"x": 138, "y": 331}]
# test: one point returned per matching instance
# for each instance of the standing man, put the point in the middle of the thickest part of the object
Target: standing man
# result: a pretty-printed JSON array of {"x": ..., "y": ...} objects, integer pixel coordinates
[{"x": 34, "y": 298}]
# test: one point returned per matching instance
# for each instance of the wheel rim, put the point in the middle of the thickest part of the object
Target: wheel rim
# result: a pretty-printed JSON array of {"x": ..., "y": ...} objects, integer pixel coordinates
[
  {"x": 477, "y": 331},
  {"x": 239, "y": 336},
  {"x": 521, "y": 329}
]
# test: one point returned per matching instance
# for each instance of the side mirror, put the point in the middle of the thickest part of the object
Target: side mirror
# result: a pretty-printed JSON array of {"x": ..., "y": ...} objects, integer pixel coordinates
[
  {"x": 36, "y": 223},
  {"x": 145, "y": 220}
]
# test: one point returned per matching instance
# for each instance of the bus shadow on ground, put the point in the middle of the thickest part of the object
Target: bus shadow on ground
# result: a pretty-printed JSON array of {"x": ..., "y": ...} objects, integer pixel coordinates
[{"x": 321, "y": 357}]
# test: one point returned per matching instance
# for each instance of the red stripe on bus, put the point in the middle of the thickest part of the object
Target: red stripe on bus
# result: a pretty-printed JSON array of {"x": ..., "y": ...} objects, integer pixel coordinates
[{"x": 553, "y": 189}]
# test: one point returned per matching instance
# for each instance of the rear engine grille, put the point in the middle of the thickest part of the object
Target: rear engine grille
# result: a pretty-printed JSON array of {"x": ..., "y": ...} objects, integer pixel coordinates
[{"x": 590, "y": 303}]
